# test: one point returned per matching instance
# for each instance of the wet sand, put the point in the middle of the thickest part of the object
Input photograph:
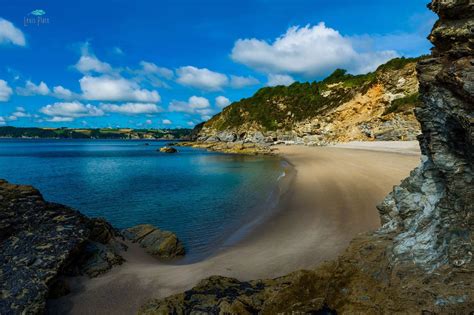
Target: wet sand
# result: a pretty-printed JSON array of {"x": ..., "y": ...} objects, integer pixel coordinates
[{"x": 331, "y": 199}]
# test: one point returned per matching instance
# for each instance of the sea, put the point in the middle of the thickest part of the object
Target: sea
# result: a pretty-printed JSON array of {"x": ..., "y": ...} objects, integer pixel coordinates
[{"x": 204, "y": 197}]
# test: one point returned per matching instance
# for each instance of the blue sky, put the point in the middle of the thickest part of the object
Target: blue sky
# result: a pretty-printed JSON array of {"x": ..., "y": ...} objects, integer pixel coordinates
[{"x": 166, "y": 64}]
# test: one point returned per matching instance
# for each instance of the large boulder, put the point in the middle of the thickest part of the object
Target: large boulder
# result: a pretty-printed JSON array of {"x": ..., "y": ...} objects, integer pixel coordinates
[{"x": 161, "y": 244}]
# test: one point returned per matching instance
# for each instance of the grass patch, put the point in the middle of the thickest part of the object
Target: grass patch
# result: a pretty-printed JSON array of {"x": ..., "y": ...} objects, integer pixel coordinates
[{"x": 402, "y": 104}]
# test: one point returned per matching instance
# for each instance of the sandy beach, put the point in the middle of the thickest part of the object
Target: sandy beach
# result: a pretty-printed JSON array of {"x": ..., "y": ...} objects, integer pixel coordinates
[{"x": 332, "y": 198}]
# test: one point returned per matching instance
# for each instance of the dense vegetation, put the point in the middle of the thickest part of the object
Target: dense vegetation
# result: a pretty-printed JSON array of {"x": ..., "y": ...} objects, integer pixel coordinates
[
  {"x": 402, "y": 104},
  {"x": 280, "y": 106},
  {"x": 69, "y": 133}
]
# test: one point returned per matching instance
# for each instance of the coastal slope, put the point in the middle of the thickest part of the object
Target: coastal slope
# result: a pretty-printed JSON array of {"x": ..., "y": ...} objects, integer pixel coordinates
[{"x": 343, "y": 107}]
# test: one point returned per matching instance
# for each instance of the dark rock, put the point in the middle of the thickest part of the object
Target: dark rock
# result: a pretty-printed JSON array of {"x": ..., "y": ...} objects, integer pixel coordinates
[
  {"x": 98, "y": 258},
  {"x": 433, "y": 209},
  {"x": 161, "y": 244},
  {"x": 39, "y": 242},
  {"x": 168, "y": 150},
  {"x": 38, "y": 238},
  {"x": 101, "y": 231}
]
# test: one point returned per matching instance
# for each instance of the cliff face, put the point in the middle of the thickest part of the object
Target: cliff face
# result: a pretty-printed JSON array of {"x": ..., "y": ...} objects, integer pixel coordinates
[
  {"x": 420, "y": 261},
  {"x": 342, "y": 107},
  {"x": 432, "y": 211}
]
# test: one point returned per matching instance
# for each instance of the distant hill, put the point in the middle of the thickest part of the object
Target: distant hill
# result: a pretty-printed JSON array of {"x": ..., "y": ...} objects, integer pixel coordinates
[
  {"x": 104, "y": 133},
  {"x": 374, "y": 106}
]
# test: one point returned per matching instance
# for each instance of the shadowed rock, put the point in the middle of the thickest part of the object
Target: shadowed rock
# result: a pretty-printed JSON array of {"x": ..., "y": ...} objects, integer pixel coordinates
[
  {"x": 39, "y": 242},
  {"x": 162, "y": 244}
]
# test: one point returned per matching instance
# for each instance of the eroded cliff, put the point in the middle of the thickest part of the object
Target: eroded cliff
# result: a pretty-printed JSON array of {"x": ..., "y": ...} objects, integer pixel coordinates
[{"x": 342, "y": 107}]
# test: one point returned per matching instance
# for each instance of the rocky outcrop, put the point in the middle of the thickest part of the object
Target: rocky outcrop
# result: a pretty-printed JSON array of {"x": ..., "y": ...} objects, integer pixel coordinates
[
  {"x": 39, "y": 242},
  {"x": 237, "y": 147},
  {"x": 420, "y": 261},
  {"x": 432, "y": 211},
  {"x": 161, "y": 244}
]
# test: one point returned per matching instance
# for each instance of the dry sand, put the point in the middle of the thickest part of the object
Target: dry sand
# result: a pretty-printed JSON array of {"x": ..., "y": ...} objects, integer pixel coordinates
[{"x": 332, "y": 198}]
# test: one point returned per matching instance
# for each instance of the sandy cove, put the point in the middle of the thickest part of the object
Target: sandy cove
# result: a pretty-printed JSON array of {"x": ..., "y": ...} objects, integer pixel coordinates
[{"x": 332, "y": 198}]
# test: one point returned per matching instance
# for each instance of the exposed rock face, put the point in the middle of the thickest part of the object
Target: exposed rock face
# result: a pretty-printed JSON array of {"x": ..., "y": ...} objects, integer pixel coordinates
[
  {"x": 376, "y": 106},
  {"x": 432, "y": 211},
  {"x": 162, "y": 244},
  {"x": 40, "y": 241},
  {"x": 420, "y": 261}
]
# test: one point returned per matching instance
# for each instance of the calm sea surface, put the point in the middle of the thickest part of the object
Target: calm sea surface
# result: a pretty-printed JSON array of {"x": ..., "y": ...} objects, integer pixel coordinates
[{"x": 201, "y": 196}]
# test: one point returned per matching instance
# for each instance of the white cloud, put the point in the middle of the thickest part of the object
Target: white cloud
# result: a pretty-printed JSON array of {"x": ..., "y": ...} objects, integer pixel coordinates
[
  {"x": 240, "y": 82},
  {"x": 5, "y": 91},
  {"x": 309, "y": 51},
  {"x": 9, "y": 34},
  {"x": 61, "y": 92},
  {"x": 151, "y": 68},
  {"x": 2, "y": 121},
  {"x": 21, "y": 113},
  {"x": 148, "y": 122},
  {"x": 167, "y": 122},
  {"x": 67, "y": 111},
  {"x": 109, "y": 88},
  {"x": 222, "y": 101},
  {"x": 279, "y": 79},
  {"x": 90, "y": 63},
  {"x": 152, "y": 74},
  {"x": 190, "y": 123},
  {"x": 194, "y": 105},
  {"x": 201, "y": 78},
  {"x": 87, "y": 64},
  {"x": 33, "y": 89},
  {"x": 59, "y": 119},
  {"x": 132, "y": 108}
]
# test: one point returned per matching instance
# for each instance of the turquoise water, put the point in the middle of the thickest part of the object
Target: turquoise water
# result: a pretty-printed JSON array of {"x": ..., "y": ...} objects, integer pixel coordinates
[{"x": 201, "y": 196}]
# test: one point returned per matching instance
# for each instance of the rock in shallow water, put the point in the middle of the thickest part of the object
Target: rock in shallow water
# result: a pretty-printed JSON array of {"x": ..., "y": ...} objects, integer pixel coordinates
[
  {"x": 168, "y": 150},
  {"x": 162, "y": 244}
]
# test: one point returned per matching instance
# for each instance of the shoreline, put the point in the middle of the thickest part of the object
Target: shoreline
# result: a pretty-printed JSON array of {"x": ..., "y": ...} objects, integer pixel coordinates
[
  {"x": 270, "y": 208},
  {"x": 255, "y": 217},
  {"x": 325, "y": 207}
]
